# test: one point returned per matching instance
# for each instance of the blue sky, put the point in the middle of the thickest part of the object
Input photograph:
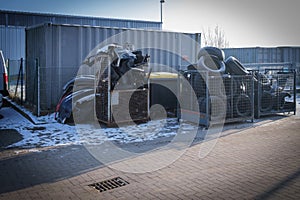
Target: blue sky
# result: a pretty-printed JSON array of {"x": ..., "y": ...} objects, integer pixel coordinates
[{"x": 246, "y": 23}]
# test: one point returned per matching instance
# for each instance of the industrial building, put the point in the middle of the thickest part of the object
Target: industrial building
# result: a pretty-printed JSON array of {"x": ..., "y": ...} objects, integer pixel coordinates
[
  {"x": 256, "y": 57},
  {"x": 13, "y": 24},
  {"x": 259, "y": 55}
]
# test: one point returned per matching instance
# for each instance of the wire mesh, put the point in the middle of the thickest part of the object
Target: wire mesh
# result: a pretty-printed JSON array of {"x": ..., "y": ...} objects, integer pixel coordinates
[
  {"x": 239, "y": 94},
  {"x": 275, "y": 92},
  {"x": 16, "y": 79},
  {"x": 127, "y": 105},
  {"x": 221, "y": 98}
]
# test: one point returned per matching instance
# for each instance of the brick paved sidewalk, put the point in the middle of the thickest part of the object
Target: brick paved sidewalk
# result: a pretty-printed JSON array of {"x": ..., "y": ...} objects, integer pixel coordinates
[{"x": 261, "y": 162}]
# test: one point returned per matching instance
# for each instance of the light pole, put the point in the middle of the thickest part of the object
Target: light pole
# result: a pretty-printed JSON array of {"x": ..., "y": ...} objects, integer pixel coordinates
[{"x": 161, "y": 3}]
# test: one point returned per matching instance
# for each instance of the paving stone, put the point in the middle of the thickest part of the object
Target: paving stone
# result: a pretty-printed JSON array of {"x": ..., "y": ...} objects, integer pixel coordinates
[{"x": 261, "y": 162}]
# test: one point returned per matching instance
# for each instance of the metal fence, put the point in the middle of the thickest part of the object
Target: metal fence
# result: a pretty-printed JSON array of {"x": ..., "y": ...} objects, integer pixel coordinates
[
  {"x": 275, "y": 92},
  {"x": 216, "y": 104},
  {"x": 42, "y": 84},
  {"x": 120, "y": 105},
  {"x": 16, "y": 79},
  {"x": 263, "y": 92},
  {"x": 240, "y": 97}
]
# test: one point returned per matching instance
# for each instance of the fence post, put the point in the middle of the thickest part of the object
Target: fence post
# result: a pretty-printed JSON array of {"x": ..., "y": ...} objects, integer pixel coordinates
[
  {"x": 21, "y": 69},
  {"x": 258, "y": 94},
  {"x": 20, "y": 76},
  {"x": 295, "y": 91},
  {"x": 38, "y": 86},
  {"x": 253, "y": 97}
]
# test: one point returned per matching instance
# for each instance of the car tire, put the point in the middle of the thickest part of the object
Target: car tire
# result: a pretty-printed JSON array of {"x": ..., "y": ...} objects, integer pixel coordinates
[
  {"x": 234, "y": 67},
  {"x": 219, "y": 104},
  {"x": 266, "y": 101},
  {"x": 211, "y": 64},
  {"x": 199, "y": 85},
  {"x": 243, "y": 105},
  {"x": 231, "y": 85},
  {"x": 279, "y": 100},
  {"x": 212, "y": 51}
]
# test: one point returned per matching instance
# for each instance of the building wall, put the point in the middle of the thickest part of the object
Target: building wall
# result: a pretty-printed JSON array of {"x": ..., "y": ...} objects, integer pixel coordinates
[
  {"x": 12, "y": 42},
  {"x": 250, "y": 56},
  {"x": 265, "y": 55}
]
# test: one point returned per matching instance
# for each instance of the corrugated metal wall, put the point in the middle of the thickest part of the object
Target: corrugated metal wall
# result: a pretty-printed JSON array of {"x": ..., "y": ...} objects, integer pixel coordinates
[
  {"x": 265, "y": 55},
  {"x": 291, "y": 54},
  {"x": 12, "y": 42},
  {"x": 13, "y": 23},
  {"x": 62, "y": 48},
  {"x": 26, "y": 19},
  {"x": 268, "y": 55}
]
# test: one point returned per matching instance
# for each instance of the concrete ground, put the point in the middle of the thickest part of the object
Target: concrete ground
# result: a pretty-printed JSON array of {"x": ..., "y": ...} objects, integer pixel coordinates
[{"x": 262, "y": 162}]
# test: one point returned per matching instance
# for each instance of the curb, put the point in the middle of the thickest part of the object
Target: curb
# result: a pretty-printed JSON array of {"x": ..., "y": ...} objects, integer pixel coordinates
[{"x": 18, "y": 109}]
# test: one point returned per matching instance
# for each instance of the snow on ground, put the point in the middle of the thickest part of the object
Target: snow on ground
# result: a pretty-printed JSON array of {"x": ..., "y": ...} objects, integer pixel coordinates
[
  {"x": 50, "y": 133},
  {"x": 47, "y": 132}
]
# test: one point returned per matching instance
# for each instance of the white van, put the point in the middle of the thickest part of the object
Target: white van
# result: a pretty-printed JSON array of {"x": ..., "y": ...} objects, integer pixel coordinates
[{"x": 3, "y": 79}]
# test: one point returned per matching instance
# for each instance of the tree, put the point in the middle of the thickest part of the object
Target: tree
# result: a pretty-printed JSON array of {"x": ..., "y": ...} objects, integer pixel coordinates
[{"x": 215, "y": 37}]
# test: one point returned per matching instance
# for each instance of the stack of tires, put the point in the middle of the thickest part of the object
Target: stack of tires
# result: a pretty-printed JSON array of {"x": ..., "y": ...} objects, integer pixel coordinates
[
  {"x": 270, "y": 97},
  {"x": 209, "y": 74},
  {"x": 239, "y": 92},
  {"x": 246, "y": 94}
]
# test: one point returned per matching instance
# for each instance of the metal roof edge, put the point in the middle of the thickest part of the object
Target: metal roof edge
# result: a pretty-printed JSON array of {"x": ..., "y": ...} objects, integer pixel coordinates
[
  {"x": 108, "y": 27},
  {"x": 75, "y": 16}
]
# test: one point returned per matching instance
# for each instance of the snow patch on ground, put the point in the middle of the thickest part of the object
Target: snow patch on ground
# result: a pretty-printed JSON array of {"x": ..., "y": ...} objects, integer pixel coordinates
[{"x": 48, "y": 132}]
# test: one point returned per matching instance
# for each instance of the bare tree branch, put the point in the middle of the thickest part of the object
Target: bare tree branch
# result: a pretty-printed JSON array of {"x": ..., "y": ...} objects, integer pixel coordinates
[{"x": 215, "y": 37}]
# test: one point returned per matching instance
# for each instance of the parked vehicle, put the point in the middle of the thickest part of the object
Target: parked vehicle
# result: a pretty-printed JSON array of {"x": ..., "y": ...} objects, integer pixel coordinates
[
  {"x": 84, "y": 87},
  {"x": 3, "y": 79}
]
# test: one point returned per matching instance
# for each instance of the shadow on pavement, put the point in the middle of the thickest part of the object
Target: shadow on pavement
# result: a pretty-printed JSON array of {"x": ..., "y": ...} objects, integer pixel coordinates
[
  {"x": 282, "y": 184},
  {"x": 44, "y": 167},
  {"x": 8, "y": 137}
]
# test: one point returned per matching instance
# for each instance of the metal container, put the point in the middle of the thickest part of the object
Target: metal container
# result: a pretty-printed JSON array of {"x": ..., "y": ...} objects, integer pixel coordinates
[{"x": 61, "y": 49}]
